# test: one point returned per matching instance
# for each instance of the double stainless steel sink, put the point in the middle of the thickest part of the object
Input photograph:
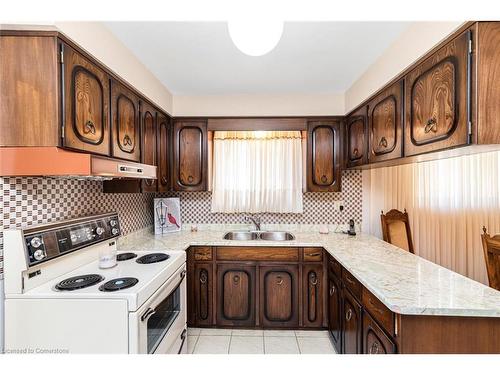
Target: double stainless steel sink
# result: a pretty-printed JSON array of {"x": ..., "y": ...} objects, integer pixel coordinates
[{"x": 253, "y": 236}]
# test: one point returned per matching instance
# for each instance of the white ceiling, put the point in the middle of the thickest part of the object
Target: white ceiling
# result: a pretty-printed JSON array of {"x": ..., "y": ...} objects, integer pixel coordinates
[{"x": 199, "y": 58}]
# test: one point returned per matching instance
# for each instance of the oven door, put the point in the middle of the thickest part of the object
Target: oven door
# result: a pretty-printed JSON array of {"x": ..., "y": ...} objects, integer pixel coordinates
[{"x": 161, "y": 321}]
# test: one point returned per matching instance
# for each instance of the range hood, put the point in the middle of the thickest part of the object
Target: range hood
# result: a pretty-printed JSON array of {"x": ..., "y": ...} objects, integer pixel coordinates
[{"x": 58, "y": 162}]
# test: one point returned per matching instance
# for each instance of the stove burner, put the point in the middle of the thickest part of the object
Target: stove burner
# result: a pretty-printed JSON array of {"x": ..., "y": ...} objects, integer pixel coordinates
[
  {"x": 118, "y": 284},
  {"x": 79, "y": 282},
  {"x": 125, "y": 256},
  {"x": 152, "y": 258}
]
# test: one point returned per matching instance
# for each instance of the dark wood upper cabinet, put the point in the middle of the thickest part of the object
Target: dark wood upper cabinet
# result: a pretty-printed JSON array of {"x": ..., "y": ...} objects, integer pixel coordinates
[
  {"x": 163, "y": 152},
  {"x": 279, "y": 295},
  {"x": 149, "y": 142},
  {"x": 312, "y": 295},
  {"x": 86, "y": 104},
  {"x": 375, "y": 341},
  {"x": 125, "y": 123},
  {"x": 190, "y": 155},
  {"x": 352, "y": 324},
  {"x": 385, "y": 121},
  {"x": 235, "y": 295},
  {"x": 323, "y": 155},
  {"x": 437, "y": 99},
  {"x": 356, "y": 138},
  {"x": 335, "y": 311}
]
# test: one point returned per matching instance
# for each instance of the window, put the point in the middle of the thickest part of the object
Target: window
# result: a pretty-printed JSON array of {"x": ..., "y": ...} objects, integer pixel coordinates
[{"x": 257, "y": 171}]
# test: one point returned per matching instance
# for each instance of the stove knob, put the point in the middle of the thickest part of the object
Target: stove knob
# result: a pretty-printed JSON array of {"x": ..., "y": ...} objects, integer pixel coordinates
[
  {"x": 112, "y": 223},
  {"x": 99, "y": 231},
  {"x": 39, "y": 254},
  {"x": 114, "y": 231},
  {"x": 36, "y": 242}
]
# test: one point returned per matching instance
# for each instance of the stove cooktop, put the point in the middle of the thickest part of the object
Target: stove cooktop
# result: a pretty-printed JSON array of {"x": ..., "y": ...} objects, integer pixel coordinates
[{"x": 151, "y": 276}]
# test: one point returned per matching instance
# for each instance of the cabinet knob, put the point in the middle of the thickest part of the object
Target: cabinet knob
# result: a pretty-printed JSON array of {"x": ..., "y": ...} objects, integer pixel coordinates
[
  {"x": 164, "y": 180},
  {"x": 127, "y": 141},
  {"x": 348, "y": 315},
  {"x": 431, "y": 125},
  {"x": 236, "y": 279},
  {"x": 89, "y": 128},
  {"x": 332, "y": 290},
  {"x": 355, "y": 152},
  {"x": 279, "y": 280},
  {"x": 190, "y": 178},
  {"x": 383, "y": 142},
  {"x": 313, "y": 279},
  {"x": 203, "y": 278},
  {"x": 323, "y": 178}
]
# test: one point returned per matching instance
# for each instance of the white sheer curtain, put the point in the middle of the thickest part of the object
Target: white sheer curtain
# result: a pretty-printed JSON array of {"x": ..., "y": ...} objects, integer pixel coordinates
[
  {"x": 448, "y": 202},
  {"x": 257, "y": 171}
]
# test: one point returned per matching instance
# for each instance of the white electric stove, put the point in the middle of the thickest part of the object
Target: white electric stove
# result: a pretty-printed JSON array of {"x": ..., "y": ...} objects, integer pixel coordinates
[{"x": 58, "y": 299}]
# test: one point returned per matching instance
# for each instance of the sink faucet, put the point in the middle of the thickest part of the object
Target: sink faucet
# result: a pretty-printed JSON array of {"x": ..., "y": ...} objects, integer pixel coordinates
[{"x": 255, "y": 220}]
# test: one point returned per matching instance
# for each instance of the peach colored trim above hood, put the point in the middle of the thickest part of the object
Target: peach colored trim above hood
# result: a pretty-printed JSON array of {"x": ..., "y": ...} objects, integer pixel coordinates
[{"x": 54, "y": 161}]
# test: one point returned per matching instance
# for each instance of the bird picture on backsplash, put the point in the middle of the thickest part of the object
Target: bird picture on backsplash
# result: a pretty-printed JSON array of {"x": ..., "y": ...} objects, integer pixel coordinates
[{"x": 167, "y": 215}]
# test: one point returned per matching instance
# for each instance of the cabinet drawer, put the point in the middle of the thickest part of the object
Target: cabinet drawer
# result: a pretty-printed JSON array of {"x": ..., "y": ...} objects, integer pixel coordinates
[
  {"x": 313, "y": 254},
  {"x": 334, "y": 267},
  {"x": 352, "y": 284},
  {"x": 202, "y": 253},
  {"x": 290, "y": 254},
  {"x": 379, "y": 311}
]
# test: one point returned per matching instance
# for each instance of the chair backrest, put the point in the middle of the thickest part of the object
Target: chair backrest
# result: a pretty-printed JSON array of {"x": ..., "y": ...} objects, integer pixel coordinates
[
  {"x": 491, "y": 248},
  {"x": 396, "y": 229}
]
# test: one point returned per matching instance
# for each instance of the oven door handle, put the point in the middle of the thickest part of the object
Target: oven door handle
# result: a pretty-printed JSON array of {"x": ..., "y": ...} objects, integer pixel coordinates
[
  {"x": 147, "y": 314},
  {"x": 183, "y": 340}
]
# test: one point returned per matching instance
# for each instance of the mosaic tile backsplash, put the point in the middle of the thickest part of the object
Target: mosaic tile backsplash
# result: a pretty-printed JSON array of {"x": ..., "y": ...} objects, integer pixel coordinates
[{"x": 30, "y": 201}]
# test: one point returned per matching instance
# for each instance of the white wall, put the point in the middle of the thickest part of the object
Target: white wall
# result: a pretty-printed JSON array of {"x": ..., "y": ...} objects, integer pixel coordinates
[
  {"x": 101, "y": 43},
  {"x": 414, "y": 42},
  {"x": 260, "y": 105}
]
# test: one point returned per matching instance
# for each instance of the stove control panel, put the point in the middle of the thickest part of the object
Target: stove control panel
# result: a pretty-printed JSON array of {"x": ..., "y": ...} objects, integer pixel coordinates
[{"x": 52, "y": 241}]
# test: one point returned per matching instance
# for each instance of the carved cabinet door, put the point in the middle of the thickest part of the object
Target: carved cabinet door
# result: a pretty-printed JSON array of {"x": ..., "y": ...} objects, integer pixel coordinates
[
  {"x": 164, "y": 151},
  {"x": 312, "y": 295},
  {"x": 323, "y": 156},
  {"x": 438, "y": 99},
  {"x": 352, "y": 325},
  {"x": 356, "y": 138},
  {"x": 85, "y": 98},
  {"x": 386, "y": 124},
  {"x": 202, "y": 286},
  {"x": 149, "y": 143},
  {"x": 335, "y": 311},
  {"x": 190, "y": 155},
  {"x": 125, "y": 123},
  {"x": 236, "y": 293},
  {"x": 375, "y": 341},
  {"x": 279, "y": 295}
]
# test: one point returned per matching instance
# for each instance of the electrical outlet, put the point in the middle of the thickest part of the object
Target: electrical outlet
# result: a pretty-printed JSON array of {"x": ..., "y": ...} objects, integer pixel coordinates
[{"x": 337, "y": 205}]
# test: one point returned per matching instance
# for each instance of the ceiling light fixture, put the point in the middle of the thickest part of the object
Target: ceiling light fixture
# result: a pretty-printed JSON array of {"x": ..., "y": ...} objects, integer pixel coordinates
[{"x": 255, "y": 38}]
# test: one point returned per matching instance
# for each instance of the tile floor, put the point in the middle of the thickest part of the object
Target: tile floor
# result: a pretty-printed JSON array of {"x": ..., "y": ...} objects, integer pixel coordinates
[{"x": 240, "y": 341}]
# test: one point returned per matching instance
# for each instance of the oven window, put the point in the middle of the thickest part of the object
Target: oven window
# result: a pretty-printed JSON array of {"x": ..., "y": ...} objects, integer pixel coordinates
[{"x": 160, "y": 322}]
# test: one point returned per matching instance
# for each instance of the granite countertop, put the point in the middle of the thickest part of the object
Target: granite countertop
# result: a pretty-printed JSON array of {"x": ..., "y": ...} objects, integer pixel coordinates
[{"x": 405, "y": 283}]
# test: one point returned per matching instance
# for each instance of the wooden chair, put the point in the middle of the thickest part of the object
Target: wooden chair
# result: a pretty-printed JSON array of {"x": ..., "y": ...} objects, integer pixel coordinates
[
  {"x": 396, "y": 229},
  {"x": 491, "y": 248}
]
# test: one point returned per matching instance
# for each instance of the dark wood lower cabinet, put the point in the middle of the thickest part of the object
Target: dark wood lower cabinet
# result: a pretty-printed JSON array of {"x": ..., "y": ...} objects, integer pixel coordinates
[
  {"x": 235, "y": 295},
  {"x": 335, "y": 311},
  {"x": 352, "y": 325},
  {"x": 279, "y": 295},
  {"x": 375, "y": 341}
]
